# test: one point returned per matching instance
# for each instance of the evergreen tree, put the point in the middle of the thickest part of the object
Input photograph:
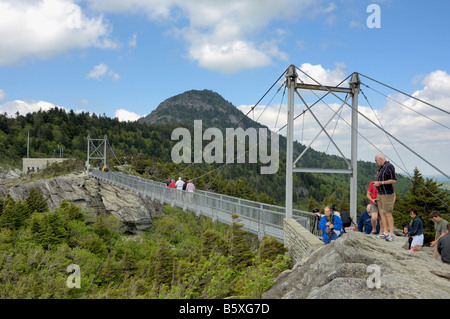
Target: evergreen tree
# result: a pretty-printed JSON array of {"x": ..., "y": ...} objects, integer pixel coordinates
[
  {"x": 239, "y": 247},
  {"x": 312, "y": 203},
  {"x": 164, "y": 264},
  {"x": 213, "y": 242},
  {"x": 10, "y": 217},
  {"x": 52, "y": 230},
  {"x": 36, "y": 202},
  {"x": 425, "y": 195},
  {"x": 270, "y": 248}
]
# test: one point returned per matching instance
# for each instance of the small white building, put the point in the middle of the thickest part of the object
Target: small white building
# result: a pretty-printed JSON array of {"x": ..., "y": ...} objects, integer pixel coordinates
[{"x": 36, "y": 164}]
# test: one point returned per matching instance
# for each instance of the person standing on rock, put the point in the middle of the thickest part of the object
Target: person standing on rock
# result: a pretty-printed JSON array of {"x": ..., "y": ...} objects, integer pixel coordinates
[
  {"x": 386, "y": 196},
  {"x": 440, "y": 226},
  {"x": 372, "y": 194},
  {"x": 331, "y": 226},
  {"x": 443, "y": 246}
]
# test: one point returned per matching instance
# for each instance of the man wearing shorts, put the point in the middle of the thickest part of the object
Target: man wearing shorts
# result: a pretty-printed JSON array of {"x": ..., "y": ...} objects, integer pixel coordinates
[
  {"x": 386, "y": 196},
  {"x": 372, "y": 194}
]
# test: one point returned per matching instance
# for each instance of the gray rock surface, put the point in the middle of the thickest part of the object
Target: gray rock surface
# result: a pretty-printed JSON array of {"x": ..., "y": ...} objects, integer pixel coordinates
[
  {"x": 8, "y": 174},
  {"x": 133, "y": 210},
  {"x": 349, "y": 267}
]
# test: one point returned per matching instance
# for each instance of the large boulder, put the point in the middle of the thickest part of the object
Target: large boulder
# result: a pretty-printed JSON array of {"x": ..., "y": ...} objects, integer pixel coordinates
[
  {"x": 133, "y": 210},
  {"x": 361, "y": 266}
]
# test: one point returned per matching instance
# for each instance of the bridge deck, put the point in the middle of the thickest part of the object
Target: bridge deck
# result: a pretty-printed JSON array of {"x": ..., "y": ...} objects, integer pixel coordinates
[{"x": 258, "y": 218}]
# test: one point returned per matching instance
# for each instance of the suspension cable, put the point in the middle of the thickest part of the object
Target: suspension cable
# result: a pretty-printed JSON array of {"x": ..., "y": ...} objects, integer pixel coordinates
[
  {"x": 246, "y": 115},
  {"x": 368, "y": 119},
  {"x": 390, "y": 98},
  {"x": 390, "y": 141},
  {"x": 408, "y": 95}
]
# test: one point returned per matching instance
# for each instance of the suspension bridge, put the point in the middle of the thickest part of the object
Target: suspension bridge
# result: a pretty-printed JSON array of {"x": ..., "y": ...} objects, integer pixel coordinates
[
  {"x": 264, "y": 219},
  {"x": 258, "y": 218}
]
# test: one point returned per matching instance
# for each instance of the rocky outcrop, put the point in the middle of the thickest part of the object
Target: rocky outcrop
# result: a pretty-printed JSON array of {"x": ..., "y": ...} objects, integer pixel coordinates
[
  {"x": 8, "y": 174},
  {"x": 358, "y": 266},
  {"x": 133, "y": 210}
]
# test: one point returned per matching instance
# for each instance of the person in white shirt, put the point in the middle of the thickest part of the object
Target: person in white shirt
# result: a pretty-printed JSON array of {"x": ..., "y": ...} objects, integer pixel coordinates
[{"x": 179, "y": 185}]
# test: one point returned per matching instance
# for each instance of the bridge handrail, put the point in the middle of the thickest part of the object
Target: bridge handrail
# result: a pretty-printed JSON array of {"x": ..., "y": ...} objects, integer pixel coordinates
[{"x": 269, "y": 217}]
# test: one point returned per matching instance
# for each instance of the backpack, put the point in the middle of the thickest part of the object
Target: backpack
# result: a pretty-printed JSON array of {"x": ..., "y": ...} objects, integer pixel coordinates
[{"x": 346, "y": 219}]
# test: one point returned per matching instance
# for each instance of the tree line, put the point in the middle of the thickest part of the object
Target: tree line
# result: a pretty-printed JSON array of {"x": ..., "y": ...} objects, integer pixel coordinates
[
  {"x": 181, "y": 256},
  {"x": 147, "y": 149}
]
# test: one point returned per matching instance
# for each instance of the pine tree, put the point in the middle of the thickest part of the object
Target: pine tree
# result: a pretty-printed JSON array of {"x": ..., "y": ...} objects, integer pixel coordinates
[
  {"x": 164, "y": 265},
  {"x": 212, "y": 242},
  {"x": 8, "y": 219},
  {"x": 425, "y": 195},
  {"x": 240, "y": 249},
  {"x": 312, "y": 203},
  {"x": 12, "y": 214},
  {"x": 53, "y": 231},
  {"x": 270, "y": 248},
  {"x": 36, "y": 202}
]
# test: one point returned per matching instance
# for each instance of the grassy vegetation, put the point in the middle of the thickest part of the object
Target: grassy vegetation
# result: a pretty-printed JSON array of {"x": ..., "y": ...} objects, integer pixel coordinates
[{"x": 181, "y": 256}]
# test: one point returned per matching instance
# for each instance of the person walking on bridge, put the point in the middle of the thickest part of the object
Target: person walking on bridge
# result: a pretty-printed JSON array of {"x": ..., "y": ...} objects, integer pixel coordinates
[
  {"x": 386, "y": 196},
  {"x": 190, "y": 187},
  {"x": 179, "y": 185}
]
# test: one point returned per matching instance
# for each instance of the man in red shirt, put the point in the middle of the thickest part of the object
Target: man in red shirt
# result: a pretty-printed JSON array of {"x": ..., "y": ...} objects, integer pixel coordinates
[
  {"x": 173, "y": 186},
  {"x": 372, "y": 194}
]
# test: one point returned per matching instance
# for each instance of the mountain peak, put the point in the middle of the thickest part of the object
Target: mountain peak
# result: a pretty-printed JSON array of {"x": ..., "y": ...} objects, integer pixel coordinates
[{"x": 205, "y": 105}]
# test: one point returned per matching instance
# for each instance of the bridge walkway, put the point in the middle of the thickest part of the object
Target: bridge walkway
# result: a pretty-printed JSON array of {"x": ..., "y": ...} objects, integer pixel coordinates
[{"x": 258, "y": 218}]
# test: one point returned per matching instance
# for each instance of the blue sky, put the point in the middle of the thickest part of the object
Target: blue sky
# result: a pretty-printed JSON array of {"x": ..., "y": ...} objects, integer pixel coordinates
[{"x": 102, "y": 56}]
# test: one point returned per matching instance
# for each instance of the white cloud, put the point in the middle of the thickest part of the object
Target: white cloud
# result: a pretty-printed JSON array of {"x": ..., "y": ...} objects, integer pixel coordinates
[
  {"x": 99, "y": 71},
  {"x": 24, "y": 107},
  {"x": 154, "y": 9},
  {"x": 133, "y": 41},
  {"x": 114, "y": 75},
  {"x": 428, "y": 138},
  {"x": 125, "y": 116},
  {"x": 45, "y": 28},
  {"x": 228, "y": 57},
  {"x": 321, "y": 75},
  {"x": 2, "y": 94},
  {"x": 225, "y": 36}
]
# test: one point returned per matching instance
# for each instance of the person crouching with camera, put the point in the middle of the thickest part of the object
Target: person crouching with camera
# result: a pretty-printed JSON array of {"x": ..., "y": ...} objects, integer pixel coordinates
[{"x": 331, "y": 226}]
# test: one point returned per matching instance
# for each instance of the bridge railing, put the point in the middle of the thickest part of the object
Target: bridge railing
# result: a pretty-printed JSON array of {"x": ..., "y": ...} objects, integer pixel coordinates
[{"x": 258, "y": 218}]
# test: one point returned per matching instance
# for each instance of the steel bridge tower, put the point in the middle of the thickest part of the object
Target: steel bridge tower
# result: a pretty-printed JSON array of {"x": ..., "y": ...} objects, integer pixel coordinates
[
  {"x": 96, "y": 151},
  {"x": 352, "y": 167}
]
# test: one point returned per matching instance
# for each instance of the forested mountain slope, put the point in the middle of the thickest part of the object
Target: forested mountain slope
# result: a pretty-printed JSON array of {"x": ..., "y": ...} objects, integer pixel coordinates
[{"x": 147, "y": 145}]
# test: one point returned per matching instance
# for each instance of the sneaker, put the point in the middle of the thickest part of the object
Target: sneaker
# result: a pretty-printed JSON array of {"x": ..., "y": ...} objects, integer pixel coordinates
[
  {"x": 390, "y": 237},
  {"x": 382, "y": 236}
]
